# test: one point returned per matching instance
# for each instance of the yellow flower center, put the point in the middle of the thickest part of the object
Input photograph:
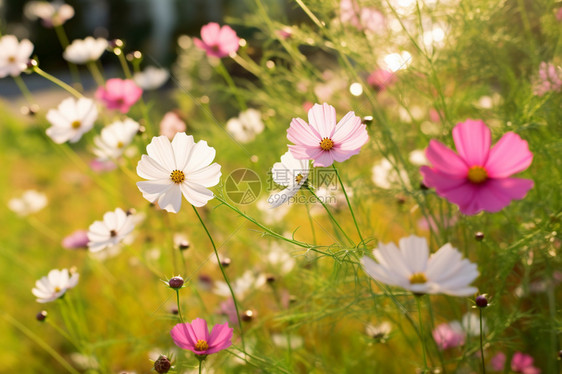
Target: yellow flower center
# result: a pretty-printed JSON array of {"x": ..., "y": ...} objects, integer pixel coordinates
[
  {"x": 299, "y": 178},
  {"x": 201, "y": 345},
  {"x": 11, "y": 59},
  {"x": 477, "y": 174},
  {"x": 326, "y": 144},
  {"x": 113, "y": 233},
  {"x": 418, "y": 278},
  {"x": 76, "y": 124},
  {"x": 120, "y": 144},
  {"x": 57, "y": 289},
  {"x": 177, "y": 176}
]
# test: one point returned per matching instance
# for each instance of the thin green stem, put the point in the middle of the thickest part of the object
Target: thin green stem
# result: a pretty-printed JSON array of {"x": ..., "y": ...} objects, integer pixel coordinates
[
  {"x": 200, "y": 366},
  {"x": 178, "y": 301},
  {"x": 349, "y": 205},
  {"x": 425, "y": 367},
  {"x": 224, "y": 276},
  {"x": 226, "y": 75},
  {"x": 96, "y": 73},
  {"x": 482, "y": 344},
  {"x": 124, "y": 64},
  {"x": 63, "y": 40},
  {"x": 24, "y": 90},
  {"x": 58, "y": 82},
  {"x": 311, "y": 224}
]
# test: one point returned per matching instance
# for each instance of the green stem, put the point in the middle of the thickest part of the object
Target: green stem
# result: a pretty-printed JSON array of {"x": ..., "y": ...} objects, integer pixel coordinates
[
  {"x": 349, "y": 205},
  {"x": 123, "y": 62},
  {"x": 200, "y": 366},
  {"x": 63, "y": 40},
  {"x": 226, "y": 75},
  {"x": 24, "y": 90},
  {"x": 334, "y": 221},
  {"x": 178, "y": 301},
  {"x": 311, "y": 224},
  {"x": 224, "y": 276},
  {"x": 418, "y": 301},
  {"x": 58, "y": 82},
  {"x": 96, "y": 73},
  {"x": 482, "y": 344}
]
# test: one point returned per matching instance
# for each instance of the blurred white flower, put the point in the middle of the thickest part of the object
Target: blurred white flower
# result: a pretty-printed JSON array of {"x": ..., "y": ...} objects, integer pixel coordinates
[
  {"x": 30, "y": 202},
  {"x": 51, "y": 14},
  {"x": 417, "y": 157},
  {"x": 291, "y": 173},
  {"x": 470, "y": 323},
  {"x": 283, "y": 340},
  {"x": 241, "y": 286},
  {"x": 397, "y": 61},
  {"x": 176, "y": 168},
  {"x": 109, "y": 145},
  {"x": 379, "y": 332},
  {"x": 151, "y": 78},
  {"x": 412, "y": 268},
  {"x": 246, "y": 126},
  {"x": 110, "y": 232},
  {"x": 385, "y": 176},
  {"x": 279, "y": 259},
  {"x": 54, "y": 285},
  {"x": 14, "y": 55},
  {"x": 71, "y": 119},
  {"x": 81, "y": 51},
  {"x": 270, "y": 217},
  {"x": 171, "y": 124},
  {"x": 84, "y": 362},
  {"x": 488, "y": 102}
]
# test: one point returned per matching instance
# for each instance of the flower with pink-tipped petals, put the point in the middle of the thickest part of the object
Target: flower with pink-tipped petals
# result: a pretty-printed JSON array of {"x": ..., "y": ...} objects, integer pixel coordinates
[
  {"x": 380, "y": 79},
  {"x": 324, "y": 141},
  {"x": 195, "y": 337},
  {"x": 523, "y": 363},
  {"x": 119, "y": 94},
  {"x": 77, "y": 240},
  {"x": 478, "y": 177},
  {"x": 217, "y": 41}
]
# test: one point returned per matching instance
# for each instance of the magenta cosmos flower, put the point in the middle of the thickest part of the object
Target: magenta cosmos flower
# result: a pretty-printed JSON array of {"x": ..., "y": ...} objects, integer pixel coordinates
[
  {"x": 195, "y": 337},
  {"x": 119, "y": 94},
  {"x": 324, "y": 141},
  {"x": 478, "y": 178},
  {"x": 217, "y": 41}
]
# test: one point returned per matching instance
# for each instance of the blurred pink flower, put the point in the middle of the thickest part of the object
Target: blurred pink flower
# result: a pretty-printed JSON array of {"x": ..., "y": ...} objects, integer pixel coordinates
[
  {"x": 323, "y": 140},
  {"x": 119, "y": 94},
  {"x": 559, "y": 14},
  {"x": 435, "y": 116},
  {"x": 478, "y": 178},
  {"x": 549, "y": 79},
  {"x": 77, "y": 240},
  {"x": 217, "y": 41},
  {"x": 362, "y": 18},
  {"x": 307, "y": 105},
  {"x": 448, "y": 335},
  {"x": 523, "y": 363},
  {"x": 195, "y": 337},
  {"x": 171, "y": 124},
  {"x": 498, "y": 362},
  {"x": 228, "y": 308},
  {"x": 380, "y": 79},
  {"x": 101, "y": 166}
]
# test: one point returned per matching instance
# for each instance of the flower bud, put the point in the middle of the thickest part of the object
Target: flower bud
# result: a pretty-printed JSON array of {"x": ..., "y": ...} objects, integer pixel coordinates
[
  {"x": 481, "y": 301},
  {"x": 248, "y": 315},
  {"x": 184, "y": 245},
  {"x": 225, "y": 262},
  {"x": 162, "y": 364},
  {"x": 479, "y": 236},
  {"x": 176, "y": 282},
  {"x": 41, "y": 316}
]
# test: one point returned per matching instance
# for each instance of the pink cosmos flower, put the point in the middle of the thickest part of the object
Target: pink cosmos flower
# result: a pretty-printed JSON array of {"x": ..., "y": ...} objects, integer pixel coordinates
[
  {"x": 478, "y": 178},
  {"x": 498, "y": 362},
  {"x": 448, "y": 335},
  {"x": 171, "y": 124},
  {"x": 217, "y": 41},
  {"x": 380, "y": 79},
  {"x": 523, "y": 363},
  {"x": 119, "y": 94},
  {"x": 549, "y": 79},
  {"x": 195, "y": 337},
  {"x": 323, "y": 140},
  {"x": 77, "y": 240}
]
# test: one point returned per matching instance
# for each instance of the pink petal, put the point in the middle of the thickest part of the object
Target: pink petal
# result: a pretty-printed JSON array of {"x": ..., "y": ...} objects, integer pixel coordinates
[
  {"x": 472, "y": 139},
  {"x": 323, "y": 119},
  {"x": 350, "y": 133},
  {"x": 299, "y": 132},
  {"x": 301, "y": 152},
  {"x": 210, "y": 33},
  {"x": 220, "y": 338},
  {"x": 445, "y": 160},
  {"x": 322, "y": 158},
  {"x": 341, "y": 155},
  {"x": 182, "y": 337},
  {"x": 442, "y": 182},
  {"x": 509, "y": 155},
  {"x": 200, "y": 328}
]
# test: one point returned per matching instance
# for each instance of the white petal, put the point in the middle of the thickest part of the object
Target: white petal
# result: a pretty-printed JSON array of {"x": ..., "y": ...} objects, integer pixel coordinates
[
  {"x": 197, "y": 195},
  {"x": 202, "y": 155},
  {"x": 147, "y": 168},
  {"x": 161, "y": 151},
  {"x": 415, "y": 252},
  {"x": 151, "y": 190},
  {"x": 171, "y": 199},
  {"x": 208, "y": 176},
  {"x": 183, "y": 145}
]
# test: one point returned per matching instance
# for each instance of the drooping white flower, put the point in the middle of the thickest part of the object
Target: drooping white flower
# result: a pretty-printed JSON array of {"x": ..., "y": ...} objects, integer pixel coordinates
[
  {"x": 114, "y": 228},
  {"x": 411, "y": 268},
  {"x": 291, "y": 173},
  {"x": 113, "y": 139},
  {"x": 151, "y": 78},
  {"x": 30, "y": 202},
  {"x": 246, "y": 126},
  {"x": 71, "y": 119},
  {"x": 385, "y": 176},
  {"x": 81, "y": 51},
  {"x": 175, "y": 168},
  {"x": 14, "y": 55},
  {"x": 51, "y": 14},
  {"x": 54, "y": 285},
  {"x": 241, "y": 286}
]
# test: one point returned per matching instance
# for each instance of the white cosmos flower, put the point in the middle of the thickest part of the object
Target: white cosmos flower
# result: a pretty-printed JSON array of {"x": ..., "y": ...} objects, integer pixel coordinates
[
  {"x": 114, "y": 228},
  {"x": 14, "y": 55},
  {"x": 279, "y": 259},
  {"x": 176, "y": 168},
  {"x": 30, "y": 202},
  {"x": 241, "y": 286},
  {"x": 114, "y": 138},
  {"x": 291, "y": 173},
  {"x": 246, "y": 126},
  {"x": 71, "y": 119},
  {"x": 81, "y": 51},
  {"x": 411, "y": 268},
  {"x": 385, "y": 176},
  {"x": 52, "y": 14},
  {"x": 54, "y": 285},
  {"x": 151, "y": 78}
]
